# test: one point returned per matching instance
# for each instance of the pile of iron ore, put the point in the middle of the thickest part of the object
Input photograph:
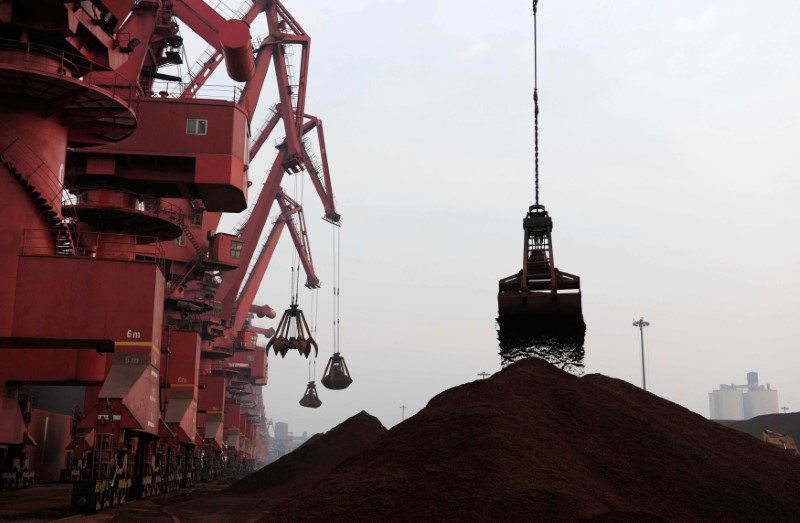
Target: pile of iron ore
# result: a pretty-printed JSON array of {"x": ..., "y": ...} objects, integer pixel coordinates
[
  {"x": 788, "y": 424},
  {"x": 534, "y": 443},
  {"x": 313, "y": 460}
]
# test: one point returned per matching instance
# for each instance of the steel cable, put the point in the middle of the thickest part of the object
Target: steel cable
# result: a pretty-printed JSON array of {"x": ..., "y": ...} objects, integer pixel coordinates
[{"x": 536, "y": 104}]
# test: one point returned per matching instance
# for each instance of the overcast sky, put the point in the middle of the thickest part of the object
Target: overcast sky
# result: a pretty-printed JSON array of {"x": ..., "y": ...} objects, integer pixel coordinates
[{"x": 668, "y": 163}]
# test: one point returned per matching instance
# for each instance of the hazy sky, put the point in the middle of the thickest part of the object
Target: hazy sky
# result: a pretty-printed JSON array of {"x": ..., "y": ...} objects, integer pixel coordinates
[{"x": 668, "y": 164}]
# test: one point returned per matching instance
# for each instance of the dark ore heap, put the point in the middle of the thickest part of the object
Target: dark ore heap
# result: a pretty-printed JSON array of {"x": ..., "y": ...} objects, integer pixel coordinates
[
  {"x": 534, "y": 443},
  {"x": 313, "y": 460},
  {"x": 788, "y": 424}
]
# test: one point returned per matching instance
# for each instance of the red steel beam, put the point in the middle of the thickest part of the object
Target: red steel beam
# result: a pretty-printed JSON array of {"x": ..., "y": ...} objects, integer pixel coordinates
[
  {"x": 245, "y": 301},
  {"x": 252, "y": 89},
  {"x": 264, "y": 134},
  {"x": 232, "y": 280},
  {"x": 200, "y": 78},
  {"x": 201, "y": 18},
  {"x": 323, "y": 187},
  {"x": 294, "y": 154},
  {"x": 299, "y": 236}
]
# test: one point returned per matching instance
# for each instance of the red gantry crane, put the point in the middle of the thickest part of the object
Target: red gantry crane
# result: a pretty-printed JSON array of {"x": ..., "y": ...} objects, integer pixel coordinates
[{"x": 121, "y": 295}]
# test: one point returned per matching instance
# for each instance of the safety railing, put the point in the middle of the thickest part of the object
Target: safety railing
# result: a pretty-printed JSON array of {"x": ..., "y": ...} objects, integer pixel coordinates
[
  {"x": 314, "y": 167},
  {"x": 98, "y": 245},
  {"x": 156, "y": 205},
  {"x": 257, "y": 135},
  {"x": 30, "y": 166},
  {"x": 225, "y": 93},
  {"x": 288, "y": 53},
  {"x": 207, "y": 57},
  {"x": 223, "y": 9},
  {"x": 37, "y": 58},
  {"x": 131, "y": 200}
]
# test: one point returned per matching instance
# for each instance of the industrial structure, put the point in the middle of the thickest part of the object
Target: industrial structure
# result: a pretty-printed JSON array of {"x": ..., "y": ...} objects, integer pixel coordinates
[
  {"x": 539, "y": 302},
  {"x": 128, "y": 361},
  {"x": 742, "y": 402},
  {"x": 284, "y": 441}
]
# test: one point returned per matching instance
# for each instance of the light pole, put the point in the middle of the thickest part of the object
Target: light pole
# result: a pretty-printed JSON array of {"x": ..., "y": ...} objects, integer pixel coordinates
[
  {"x": 403, "y": 409},
  {"x": 642, "y": 324}
]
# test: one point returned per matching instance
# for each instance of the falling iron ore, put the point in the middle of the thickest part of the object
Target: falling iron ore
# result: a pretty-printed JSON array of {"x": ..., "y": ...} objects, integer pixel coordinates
[{"x": 558, "y": 341}]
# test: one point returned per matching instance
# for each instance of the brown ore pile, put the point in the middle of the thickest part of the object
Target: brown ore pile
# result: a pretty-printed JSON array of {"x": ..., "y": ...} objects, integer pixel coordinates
[
  {"x": 788, "y": 424},
  {"x": 533, "y": 443},
  {"x": 313, "y": 460}
]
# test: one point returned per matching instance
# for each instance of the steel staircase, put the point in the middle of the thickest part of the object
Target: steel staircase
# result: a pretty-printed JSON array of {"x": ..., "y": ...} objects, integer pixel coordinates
[{"x": 59, "y": 229}]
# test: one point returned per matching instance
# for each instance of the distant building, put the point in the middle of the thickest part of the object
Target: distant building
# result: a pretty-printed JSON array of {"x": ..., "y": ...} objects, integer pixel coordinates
[
  {"x": 741, "y": 402},
  {"x": 281, "y": 430},
  {"x": 283, "y": 442}
]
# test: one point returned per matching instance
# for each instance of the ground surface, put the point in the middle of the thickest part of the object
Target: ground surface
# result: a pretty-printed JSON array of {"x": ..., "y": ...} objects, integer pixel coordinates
[
  {"x": 35, "y": 504},
  {"x": 200, "y": 504}
]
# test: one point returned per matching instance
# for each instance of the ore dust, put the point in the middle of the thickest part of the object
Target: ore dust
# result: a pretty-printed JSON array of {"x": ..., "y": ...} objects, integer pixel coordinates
[{"x": 557, "y": 341}]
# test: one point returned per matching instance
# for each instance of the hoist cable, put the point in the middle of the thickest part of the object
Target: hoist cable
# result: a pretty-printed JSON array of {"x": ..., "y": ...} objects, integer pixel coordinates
[
  {"x": 313, "y": 314},
  {"x": 338, "y": 283},
  {"x": 316, "y": 313},
  {"x": 291, "y": 285},
  {"x": 294, "y": 257},
  {"x": 536, "y": 104},
  {"x": 296, "y": 219},
  {"x": 333, "y": 258},
  {"x": 297, "y": 282},
  {"x": 295, "y": 254},
  {"x": 336, "y": 257}
]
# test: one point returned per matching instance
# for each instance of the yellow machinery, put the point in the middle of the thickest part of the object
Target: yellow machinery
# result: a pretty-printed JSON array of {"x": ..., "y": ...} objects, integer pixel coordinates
[{"x": 781, "y": 441}]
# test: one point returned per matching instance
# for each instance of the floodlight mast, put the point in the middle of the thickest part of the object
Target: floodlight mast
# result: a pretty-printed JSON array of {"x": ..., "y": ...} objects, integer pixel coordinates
[{"x": 642, "y": 324}]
